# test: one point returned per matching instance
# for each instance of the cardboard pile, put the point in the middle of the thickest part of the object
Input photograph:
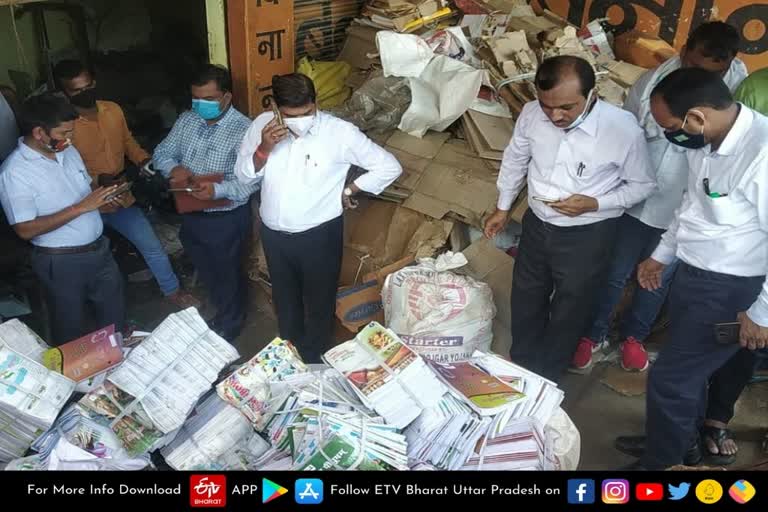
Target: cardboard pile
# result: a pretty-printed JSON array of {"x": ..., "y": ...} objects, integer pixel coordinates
[{"x": 406, "y": 16}]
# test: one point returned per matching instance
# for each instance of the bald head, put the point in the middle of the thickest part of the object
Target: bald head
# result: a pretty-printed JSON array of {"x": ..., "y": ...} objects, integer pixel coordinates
[{"x": 563, "y": 85}]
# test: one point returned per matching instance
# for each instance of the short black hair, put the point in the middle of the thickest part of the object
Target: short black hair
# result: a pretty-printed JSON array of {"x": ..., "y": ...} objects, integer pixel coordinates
[
  {"x": 68, "y": 69},
  {"x": 687, "y": 88},
  {"x": 716, "y": 40},
  {"x": 47, "y": 111},
  {"x": 293, "y": 90},
  {"x": 552, "y": 70},
  {"x": 213, "y": 73}
]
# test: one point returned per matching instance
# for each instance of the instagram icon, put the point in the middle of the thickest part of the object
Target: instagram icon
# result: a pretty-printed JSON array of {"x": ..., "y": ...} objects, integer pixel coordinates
[{"x": 615, "y": 491}]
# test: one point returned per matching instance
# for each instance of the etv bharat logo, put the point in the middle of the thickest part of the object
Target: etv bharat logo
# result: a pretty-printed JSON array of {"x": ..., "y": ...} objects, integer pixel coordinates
[{"x": 208, "y": 491}]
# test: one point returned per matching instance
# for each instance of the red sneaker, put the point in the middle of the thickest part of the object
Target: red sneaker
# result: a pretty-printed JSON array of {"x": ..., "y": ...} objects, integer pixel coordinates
[
  {"x": 634, "y": 358},
  {"x": 582, "y": 358}
]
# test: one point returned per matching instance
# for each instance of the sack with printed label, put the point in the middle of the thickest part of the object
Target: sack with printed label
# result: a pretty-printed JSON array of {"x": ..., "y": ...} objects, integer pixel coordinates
[{"x": 441, "y": 315}]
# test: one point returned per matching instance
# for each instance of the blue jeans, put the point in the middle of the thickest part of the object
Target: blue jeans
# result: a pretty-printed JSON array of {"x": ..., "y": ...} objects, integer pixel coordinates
[
  {"x": 635, "y": 241},
  {"x": 133, "y": 225}
]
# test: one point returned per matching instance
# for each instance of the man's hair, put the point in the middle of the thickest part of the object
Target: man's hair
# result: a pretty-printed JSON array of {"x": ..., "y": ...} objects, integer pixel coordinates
[
  {"x": 293, "y": 90},
  {"x": 67, "y": 70},
  {"x": 552, "y": 71},
  {"x": 716, "y": 40},
  {"x": 213, "y": 73},
  {"x": 47, "y": 111},
  {"x": 688, "y": 88}
]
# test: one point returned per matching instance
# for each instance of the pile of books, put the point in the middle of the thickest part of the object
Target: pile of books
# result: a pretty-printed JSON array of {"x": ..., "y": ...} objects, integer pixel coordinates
[
  {"x": 154, "y": 390},
  {"x": 387, "y": 375}
]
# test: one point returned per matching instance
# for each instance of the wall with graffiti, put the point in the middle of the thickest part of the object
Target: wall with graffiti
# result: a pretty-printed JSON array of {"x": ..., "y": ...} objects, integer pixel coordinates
[{"x": 671, "y": 20}]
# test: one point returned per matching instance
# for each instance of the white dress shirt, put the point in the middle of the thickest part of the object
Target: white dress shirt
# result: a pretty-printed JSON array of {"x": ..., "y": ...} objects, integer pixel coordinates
[
  {"x": 605, "y": 157},
  {"x": 303, "y": 179},
  {"x": 669, "y": 161},
  {"x": 726, "y": 234}
]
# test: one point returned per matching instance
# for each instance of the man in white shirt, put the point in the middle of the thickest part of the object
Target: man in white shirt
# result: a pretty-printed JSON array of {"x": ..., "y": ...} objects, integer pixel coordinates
[
  {"x": 712, "y": 46},
  {"x": 303, "y": 168},
  {"x": 720, "y": 236},
  {"x": 586, "y": 162}
]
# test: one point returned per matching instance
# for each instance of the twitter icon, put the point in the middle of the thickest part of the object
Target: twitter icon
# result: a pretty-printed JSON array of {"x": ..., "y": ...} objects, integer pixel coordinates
[{"x": 679, "y": 492}]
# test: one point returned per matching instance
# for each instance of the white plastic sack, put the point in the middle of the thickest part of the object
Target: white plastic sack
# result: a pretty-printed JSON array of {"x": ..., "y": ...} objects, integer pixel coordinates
[
  {"x": 442, "y": 316},
  {"x": 566, "y": 441},
  {"x": 403, "y": 55}
]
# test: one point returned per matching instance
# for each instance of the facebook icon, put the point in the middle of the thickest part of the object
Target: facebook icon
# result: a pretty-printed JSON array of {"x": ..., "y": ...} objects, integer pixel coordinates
[{"x": 581, "y": 492}]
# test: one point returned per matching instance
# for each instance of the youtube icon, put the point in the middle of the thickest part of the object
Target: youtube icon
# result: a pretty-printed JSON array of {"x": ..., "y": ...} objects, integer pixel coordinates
[{"x": 649, "y": 492}]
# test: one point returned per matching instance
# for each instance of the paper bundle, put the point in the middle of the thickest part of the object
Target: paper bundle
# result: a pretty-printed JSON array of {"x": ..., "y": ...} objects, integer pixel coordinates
[
  {"x": 76, "y": 442},
  {"x": 387, "y": 375},
  {"x": 31, "y": 396},
  {"x": 486, "y": 394},
  {"x": 153, "y": 391},
  {"x": 519, "y": 445},
  {"x": 15, "y": 335},
  {"x": 216, "y": 437},
  {"x": 248, "y": 387},
  {"x": 444, "y": 436}
]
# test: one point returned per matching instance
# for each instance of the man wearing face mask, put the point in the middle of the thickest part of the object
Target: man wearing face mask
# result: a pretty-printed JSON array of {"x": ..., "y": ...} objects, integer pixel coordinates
[
  {"x": 104, "y": 141},
  {"x": 204, "y": 141},
  {"x": 586, "y": 162},
  {"x": 712, "y": 46},
  {"x": 720, "y": 236},
  {"x": 303, "y": 166},
  {"x": 46, "y": 194}
]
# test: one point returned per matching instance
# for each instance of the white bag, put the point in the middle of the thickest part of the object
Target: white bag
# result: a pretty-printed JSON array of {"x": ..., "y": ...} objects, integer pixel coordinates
[{"x": 442, "y": 316}]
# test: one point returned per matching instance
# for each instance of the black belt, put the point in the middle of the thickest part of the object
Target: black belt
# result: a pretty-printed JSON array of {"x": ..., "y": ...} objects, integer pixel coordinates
[
  {"x": 217, "y": 213},
  {"x": 93, "y": 246}
]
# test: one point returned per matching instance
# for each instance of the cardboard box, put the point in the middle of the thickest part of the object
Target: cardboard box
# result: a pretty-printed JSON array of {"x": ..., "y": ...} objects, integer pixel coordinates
[
  {"x": 642, "y": 49},
  {"x": 361, "y": 41}
]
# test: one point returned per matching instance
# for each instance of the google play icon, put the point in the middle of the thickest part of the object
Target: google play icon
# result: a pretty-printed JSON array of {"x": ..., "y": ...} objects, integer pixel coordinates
[{"x": 270, "y": 490}]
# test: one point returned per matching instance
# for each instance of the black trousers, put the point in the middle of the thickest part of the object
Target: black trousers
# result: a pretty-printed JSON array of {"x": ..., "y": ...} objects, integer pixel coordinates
[
  {"x": 304, "y": 268},
  {"x": 677, "y": 383},
  {"x": 557, "y": 274},
  {"x": 727, "y": 383},
  {"x": 215, "y": 242},
  {"x": 73, "y": 282}
]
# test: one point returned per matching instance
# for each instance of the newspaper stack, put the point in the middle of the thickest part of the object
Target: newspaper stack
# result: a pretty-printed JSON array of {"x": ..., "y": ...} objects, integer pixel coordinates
[
  {"x": 76, "y": 442},
  {"x": 216, "y": 437},
  {"x": 444, "y": 436},
  {"x": 519, "y": 445},
  {"x": 543, "y": 395},
  {"x": 31, "y": 396},
  {"x": 248, "y": 387},
  {"x": 151, "y": 394},
  {"x": 21, "y": 339},
  {"x": 387, "y": 375}
]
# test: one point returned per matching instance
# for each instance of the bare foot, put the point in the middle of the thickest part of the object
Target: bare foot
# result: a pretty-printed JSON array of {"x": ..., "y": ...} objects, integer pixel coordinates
[{"x": 722, "y": 444}]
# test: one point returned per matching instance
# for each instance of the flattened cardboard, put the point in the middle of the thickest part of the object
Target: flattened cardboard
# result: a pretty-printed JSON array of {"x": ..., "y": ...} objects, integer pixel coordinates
[
  {"x": 425, "y": 147},
  {"x": 361, "y": 41},
  {"x": 476, "y": 140},
  {"x": 496, "y": 131}
]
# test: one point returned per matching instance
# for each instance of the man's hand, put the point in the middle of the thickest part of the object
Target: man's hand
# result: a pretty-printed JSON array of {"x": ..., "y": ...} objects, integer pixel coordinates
[
  {"x": 205, "y": 191},
  {"x": 180, "y": 175},
  {"x": 649, "y": 274},
  {"x": 271, "y": 135},
  {"x": 348, "y": 202},
  {"x": 495, "y": 223},
  {"x": 751, "y": 335},
  {"x": 111, "y": 207},
  {"x": 575, "y": 205},
  {"x": 96, "y": 199}
]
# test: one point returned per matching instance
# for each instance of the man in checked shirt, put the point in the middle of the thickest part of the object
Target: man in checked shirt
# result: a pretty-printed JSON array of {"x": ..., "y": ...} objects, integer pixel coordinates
[{"x": 205, "y": 141}]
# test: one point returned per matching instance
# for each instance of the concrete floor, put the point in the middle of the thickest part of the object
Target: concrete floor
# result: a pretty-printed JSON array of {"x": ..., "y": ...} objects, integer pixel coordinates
[{"x": 599, "y": 412}]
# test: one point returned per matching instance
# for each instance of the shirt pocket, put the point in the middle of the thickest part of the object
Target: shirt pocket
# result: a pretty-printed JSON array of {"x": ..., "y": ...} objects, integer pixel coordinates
[{"x": 727, "y": 211}]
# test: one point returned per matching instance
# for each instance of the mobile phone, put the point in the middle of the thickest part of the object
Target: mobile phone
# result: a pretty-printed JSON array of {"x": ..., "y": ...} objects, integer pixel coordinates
[
  {"x": 545, "y": 199},
  {"x": 727, "y": 332},
  {"x": 276, "y": 111},
  {"x": 120, "y": 190}
]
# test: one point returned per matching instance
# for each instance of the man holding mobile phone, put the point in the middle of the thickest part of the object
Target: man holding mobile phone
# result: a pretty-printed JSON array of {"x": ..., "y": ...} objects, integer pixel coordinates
[
  {"x": 46, "y": 194},
  {"x": 720, "y": 236},
  {"x": 592, "y": 157}
]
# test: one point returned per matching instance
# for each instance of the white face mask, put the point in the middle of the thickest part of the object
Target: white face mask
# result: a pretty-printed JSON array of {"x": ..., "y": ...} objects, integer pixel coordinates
[
  {"x": 576, "y": 122},
  {"x": 300, "y": 125}
]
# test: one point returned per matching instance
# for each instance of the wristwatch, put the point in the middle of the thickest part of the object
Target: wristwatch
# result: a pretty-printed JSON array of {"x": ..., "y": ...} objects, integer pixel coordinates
[{"x": 348, "y": 192}]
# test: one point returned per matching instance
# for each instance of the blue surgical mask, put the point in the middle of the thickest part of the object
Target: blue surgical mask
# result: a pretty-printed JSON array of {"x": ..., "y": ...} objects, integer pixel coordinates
[
  {"x": 207, "y": 109},
  {"x": 576, "y": 122}
]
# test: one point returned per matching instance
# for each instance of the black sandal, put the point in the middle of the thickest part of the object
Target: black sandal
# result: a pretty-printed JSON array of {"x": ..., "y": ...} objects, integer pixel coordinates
[{"x": 718, "y": 436}]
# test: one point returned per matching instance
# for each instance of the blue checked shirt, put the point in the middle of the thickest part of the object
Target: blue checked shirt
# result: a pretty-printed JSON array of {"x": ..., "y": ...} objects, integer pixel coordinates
[{"x": 208, "y": 149}]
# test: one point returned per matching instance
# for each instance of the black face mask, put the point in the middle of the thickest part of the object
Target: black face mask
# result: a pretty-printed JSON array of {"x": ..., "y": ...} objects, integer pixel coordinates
[
  {"x": 85, "y": 99},
  {"x": 684, "y": 139}
]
